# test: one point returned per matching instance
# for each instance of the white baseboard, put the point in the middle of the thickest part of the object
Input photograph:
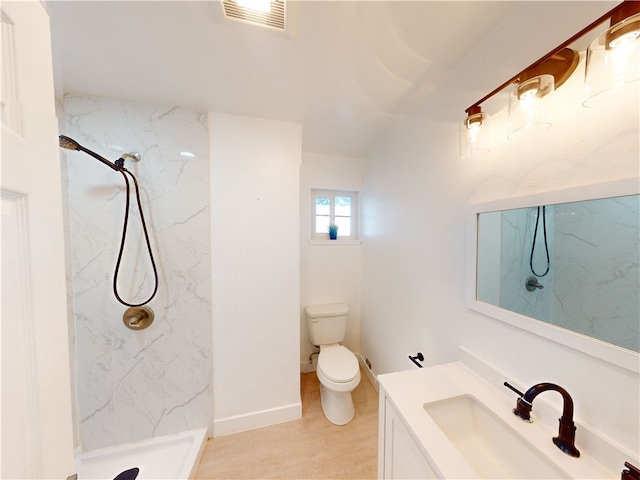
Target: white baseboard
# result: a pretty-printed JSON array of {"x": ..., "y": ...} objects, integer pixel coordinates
[{"x": 264, "y": 418}]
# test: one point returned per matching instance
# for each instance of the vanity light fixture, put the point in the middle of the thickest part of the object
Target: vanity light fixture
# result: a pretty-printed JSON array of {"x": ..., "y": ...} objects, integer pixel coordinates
[
  {"x": 473, "y": 138},
  {"x": 528, "y": 102},
  {"x": 475, "y": 118},
  {"x": 613, "y": 59}
]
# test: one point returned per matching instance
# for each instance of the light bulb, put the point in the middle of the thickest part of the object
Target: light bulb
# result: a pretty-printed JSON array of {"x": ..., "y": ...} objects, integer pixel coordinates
[
  {"x": 624, "y": 39},
  {"x": 624, "y": 32},
  {"x": 473, "y": 143},
  {"x": 528, "y": 105}
]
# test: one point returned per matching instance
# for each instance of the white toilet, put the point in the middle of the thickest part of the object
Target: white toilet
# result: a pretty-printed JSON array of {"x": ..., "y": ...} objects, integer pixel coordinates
[{"x": 337, "y": 369}]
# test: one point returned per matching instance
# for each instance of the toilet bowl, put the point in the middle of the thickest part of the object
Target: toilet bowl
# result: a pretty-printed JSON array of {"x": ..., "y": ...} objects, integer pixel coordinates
[
  {"x": 339, "y": 374},
  {"x": 337, "y": 369}
]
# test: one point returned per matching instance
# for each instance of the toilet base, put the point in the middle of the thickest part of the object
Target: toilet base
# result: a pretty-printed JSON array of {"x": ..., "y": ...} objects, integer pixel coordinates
[{"x": 336, "y": 406}]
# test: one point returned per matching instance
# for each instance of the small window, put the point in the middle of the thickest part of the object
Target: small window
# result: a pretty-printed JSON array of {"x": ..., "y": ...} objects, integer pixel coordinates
[{"x": 334, "y": 207}]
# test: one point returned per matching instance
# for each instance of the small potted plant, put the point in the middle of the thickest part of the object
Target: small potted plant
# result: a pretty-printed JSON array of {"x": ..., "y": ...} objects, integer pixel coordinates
[{"x": 333, "y": 231}]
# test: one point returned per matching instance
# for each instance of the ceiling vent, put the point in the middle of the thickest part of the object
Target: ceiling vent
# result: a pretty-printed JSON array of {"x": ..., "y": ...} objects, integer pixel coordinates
[{"x": 275, "y": 18}]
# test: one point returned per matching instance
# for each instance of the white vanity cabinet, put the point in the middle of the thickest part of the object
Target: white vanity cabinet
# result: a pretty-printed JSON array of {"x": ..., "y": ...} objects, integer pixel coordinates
[{"x": 398, "y": 455}]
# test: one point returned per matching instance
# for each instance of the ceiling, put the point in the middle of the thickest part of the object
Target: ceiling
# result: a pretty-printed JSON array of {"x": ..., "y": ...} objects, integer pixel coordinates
[{"x": 347, "y": 74}]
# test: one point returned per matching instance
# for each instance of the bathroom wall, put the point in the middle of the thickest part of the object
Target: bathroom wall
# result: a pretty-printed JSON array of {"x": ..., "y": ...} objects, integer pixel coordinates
[
  {"x": 133, "y": 385},
  {"x": 255, "y": 265},
  {"x": 417, "y": 191},
  {"x": 329, "y": 273}
]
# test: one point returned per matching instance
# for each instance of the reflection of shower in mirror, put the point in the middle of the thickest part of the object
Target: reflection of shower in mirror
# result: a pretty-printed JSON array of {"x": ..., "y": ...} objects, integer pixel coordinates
[
  {"x": 532, "y": 284},
  {"x": 533, "y": 242},
  {"x": 594, "y": 248}
]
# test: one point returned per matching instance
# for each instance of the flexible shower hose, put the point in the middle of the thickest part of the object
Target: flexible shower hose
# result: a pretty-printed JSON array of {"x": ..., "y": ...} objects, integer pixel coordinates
[
  {"x": 124, "y": 171},
  {"x": 533, "y": 244}
]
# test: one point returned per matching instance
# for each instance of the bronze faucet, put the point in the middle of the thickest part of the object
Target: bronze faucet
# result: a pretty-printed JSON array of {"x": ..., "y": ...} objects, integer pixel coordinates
[{"x": 567, "y": 432}]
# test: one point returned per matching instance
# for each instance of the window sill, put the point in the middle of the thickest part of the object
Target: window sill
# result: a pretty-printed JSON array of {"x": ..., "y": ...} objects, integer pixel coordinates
[{"x": 335, "y": 242}]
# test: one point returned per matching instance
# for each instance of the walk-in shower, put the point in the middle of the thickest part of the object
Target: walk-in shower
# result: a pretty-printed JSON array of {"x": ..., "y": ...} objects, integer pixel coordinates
[
  {"x": 136, "y": 319},
  {"x": 137, "y": 390}
]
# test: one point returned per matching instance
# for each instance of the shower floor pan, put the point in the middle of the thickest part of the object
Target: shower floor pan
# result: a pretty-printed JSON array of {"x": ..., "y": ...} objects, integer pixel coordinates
[{"x": 171, "y": 457}]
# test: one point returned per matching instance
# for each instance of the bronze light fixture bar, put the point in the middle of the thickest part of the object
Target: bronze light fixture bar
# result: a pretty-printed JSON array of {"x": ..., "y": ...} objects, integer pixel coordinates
[{"x": 561, "y": 61}]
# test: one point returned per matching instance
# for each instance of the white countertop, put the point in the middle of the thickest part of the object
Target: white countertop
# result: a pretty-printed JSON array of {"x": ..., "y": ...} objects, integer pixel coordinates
[{"x": 408, "y": 391}]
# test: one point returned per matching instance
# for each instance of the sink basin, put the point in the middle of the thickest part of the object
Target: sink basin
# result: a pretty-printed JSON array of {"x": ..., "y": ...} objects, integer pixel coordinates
[{"x": 490, "y": 446}]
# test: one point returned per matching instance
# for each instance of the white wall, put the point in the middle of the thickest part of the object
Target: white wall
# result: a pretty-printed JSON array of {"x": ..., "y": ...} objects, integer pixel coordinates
[
  {"x": 329, "y": 273},
  {"x": 416, "y": 192},
  {"x": 255, "y": 267}
]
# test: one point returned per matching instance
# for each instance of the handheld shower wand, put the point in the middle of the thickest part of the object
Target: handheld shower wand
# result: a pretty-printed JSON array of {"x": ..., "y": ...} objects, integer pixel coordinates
[
  {"x": 71, "y": 144},
  {"x": 118, "y": 166}
]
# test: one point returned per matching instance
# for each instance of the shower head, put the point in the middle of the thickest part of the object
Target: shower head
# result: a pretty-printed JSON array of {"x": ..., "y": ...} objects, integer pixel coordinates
[
  {"x": 68, "y": 143},
  {"x": 71, "y": 144}
]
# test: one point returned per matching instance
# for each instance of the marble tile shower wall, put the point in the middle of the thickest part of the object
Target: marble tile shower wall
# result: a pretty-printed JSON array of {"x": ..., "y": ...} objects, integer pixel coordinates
[
  {"x": 133, "y": 385},
  {"x": 518, "y": 227},
  {"x": 592, "y": 286},
  {"x": 596, "y": 288}
]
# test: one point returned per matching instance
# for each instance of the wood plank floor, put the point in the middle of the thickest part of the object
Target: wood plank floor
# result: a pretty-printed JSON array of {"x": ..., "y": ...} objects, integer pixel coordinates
[{"x": 309, "y": 448}]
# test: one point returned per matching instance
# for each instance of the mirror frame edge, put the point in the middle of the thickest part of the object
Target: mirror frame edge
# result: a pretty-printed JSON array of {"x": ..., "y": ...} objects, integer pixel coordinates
[{"x": 599, "y": 349}]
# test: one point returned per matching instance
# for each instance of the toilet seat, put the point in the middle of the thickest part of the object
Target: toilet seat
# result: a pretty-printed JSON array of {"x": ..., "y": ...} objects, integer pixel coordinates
[{"x": 338, "y": 363}]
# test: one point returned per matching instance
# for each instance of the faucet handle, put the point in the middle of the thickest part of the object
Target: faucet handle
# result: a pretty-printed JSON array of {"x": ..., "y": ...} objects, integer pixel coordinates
[
  {"x": 532, "y": 284},
  {"x": 511, "y": 387}
]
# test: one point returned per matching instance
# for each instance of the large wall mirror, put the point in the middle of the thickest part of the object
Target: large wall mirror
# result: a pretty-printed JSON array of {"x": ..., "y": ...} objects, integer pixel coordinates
[{"x": 564, "y": 265}]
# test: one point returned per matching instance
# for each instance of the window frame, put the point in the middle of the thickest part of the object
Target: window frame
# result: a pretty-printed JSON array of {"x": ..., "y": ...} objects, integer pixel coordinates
[{"x": 331, "y": 194}]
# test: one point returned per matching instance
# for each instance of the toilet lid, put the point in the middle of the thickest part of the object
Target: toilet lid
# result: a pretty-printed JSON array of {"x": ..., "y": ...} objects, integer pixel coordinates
[{"x": 338, "y": 364}]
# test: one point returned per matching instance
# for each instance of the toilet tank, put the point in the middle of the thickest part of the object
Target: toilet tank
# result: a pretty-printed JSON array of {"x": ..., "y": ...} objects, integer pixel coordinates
[{"x": 327, "y": 324}]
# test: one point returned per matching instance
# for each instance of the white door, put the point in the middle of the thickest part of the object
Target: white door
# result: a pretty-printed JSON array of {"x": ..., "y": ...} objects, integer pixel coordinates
[{"x": 36, "y": 425}]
